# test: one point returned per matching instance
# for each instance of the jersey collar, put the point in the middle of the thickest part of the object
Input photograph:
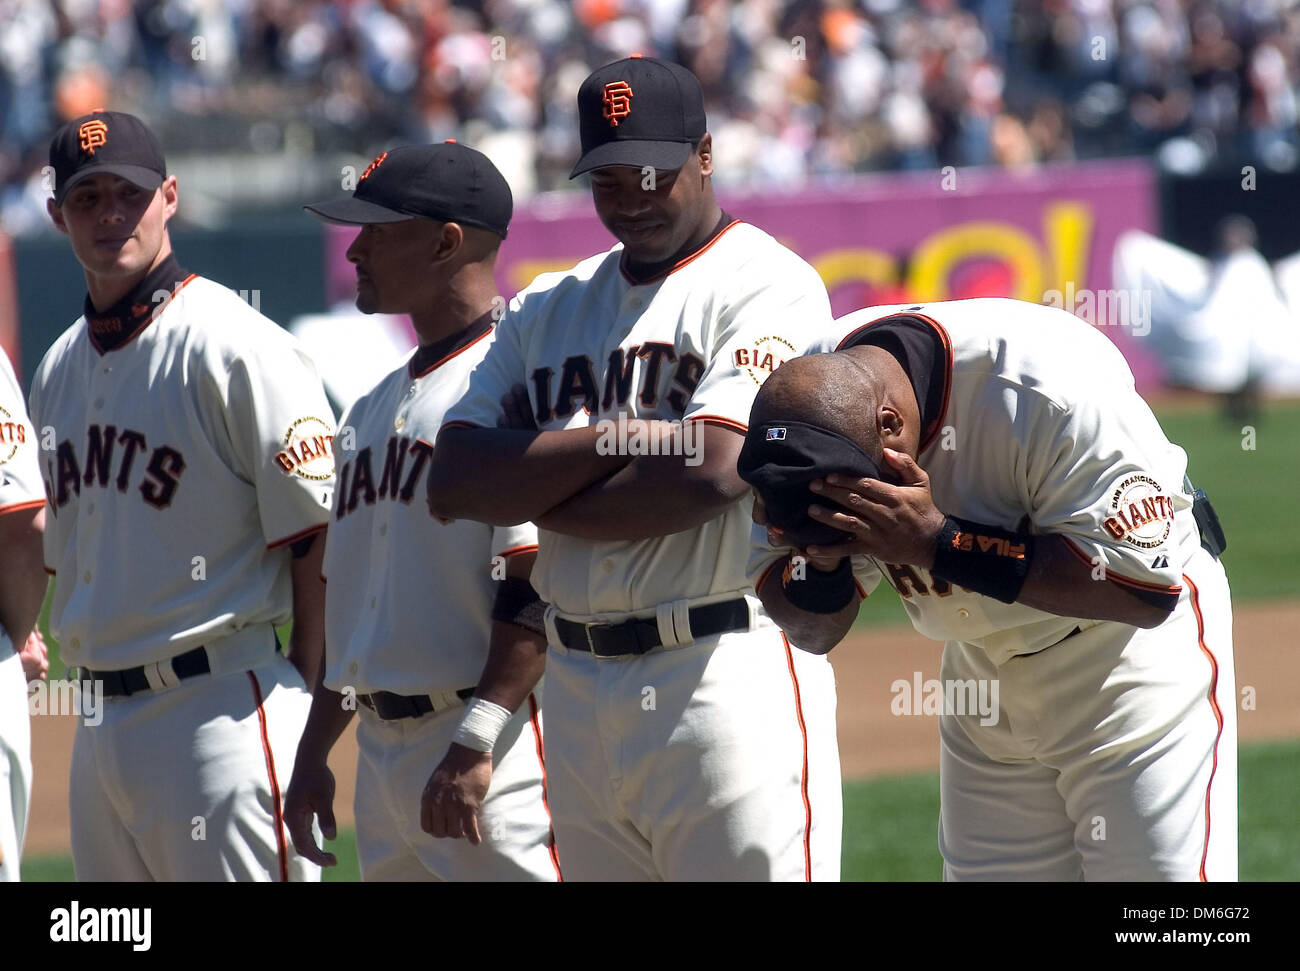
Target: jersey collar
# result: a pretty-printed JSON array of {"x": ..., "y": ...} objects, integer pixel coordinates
[
  {"x": 429, "y": 357},
  {"x": 116, "y": 326},
  {"x": 655, "y": 272}
]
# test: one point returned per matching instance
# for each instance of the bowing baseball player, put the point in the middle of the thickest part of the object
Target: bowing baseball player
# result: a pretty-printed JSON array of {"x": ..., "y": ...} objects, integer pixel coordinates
[
  {"x": 432, "y": 628},
  {"x": 992, "y": 461},
  {"x": 188, "y": 476},
  {"x": 684, "y": 739},
  {"x": 22, "y": 590}
]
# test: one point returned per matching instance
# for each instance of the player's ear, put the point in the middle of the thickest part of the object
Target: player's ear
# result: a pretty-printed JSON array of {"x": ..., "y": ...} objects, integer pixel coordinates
[
  {"x": 447, "y": 242},
  {"x": 705, "y": 152},
  {"x": 890, "y": 426},
  {"x": 56, "y": 216},
  {"x": 171, "y": 196}
]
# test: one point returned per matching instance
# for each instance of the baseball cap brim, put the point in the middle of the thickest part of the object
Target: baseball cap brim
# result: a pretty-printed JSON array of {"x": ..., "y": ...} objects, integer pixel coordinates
[
  {"x": 638, "y": 153},
  {"x": 145, "y": 178},
  {"x": 356, "y": 212}
]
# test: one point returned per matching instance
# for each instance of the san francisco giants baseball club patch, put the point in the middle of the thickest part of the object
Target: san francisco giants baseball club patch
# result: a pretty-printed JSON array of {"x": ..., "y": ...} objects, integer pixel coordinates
[
  {"x": 12, "y": 434},
  {"x": 1140, "y": 513},
  {"x": 308, "y": 450},
  {"x": 767, "y": 354}
]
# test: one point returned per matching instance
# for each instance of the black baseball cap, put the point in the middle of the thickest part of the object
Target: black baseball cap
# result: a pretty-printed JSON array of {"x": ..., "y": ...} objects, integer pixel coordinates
[
  {"x": 639, "y": 111},
  {"x": 106, "y": 141},
  {"x": 781, "y": 458},
  {"x": 448, "y": 182}
]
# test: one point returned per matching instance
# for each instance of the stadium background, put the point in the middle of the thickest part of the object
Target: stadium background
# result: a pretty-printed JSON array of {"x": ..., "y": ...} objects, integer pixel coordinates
[{"x": 908, "y": 150}]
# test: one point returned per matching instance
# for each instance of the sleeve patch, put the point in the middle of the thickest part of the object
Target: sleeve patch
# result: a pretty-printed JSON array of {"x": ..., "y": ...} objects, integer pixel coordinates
[
  {"x": 308, "y": 450},
  {"x": 1139, "y": 513},
  {"x": 765, "y": 356}
]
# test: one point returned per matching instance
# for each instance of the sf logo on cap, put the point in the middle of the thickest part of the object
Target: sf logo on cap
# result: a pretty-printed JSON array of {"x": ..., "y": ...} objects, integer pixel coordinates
[
  {"x": 92, "y": 135},
  {"x": 372, "y": 166},
  {"x": 617, "y": 101},
  {"x": 776, "y": 435}
]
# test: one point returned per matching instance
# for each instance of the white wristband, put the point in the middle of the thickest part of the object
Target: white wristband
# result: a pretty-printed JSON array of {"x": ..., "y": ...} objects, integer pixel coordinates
[{"x": 480, "y": 725}]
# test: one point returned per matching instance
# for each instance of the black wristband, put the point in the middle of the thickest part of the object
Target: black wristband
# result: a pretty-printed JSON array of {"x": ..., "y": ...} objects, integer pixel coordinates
[
  {"x": 816, "y": 591},
  {"x": 517, "y": 603},
  {"x": 982, "y": 558}
]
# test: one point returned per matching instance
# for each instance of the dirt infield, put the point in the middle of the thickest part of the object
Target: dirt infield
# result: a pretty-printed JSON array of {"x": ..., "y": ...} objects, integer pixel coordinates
[{"x": 872, "y": 741}]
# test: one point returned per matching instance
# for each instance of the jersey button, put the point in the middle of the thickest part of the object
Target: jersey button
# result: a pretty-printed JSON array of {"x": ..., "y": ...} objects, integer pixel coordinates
[
  {"x": 383, "y": 529},
  {"x": 399, "y": 424},
  {"x": 86, "y": 576},
  {"x": 636, "y": 303},
  {"x": 372, "y": 603},
  {"x": 607, "y": 564},
  {"x": 352, "y": 668},
  {"x": 90, "y": 509},
  {"x": 963, "y": 613},
  {"x": 99, "y": 402},
  {"x": 76, "y": 644}
]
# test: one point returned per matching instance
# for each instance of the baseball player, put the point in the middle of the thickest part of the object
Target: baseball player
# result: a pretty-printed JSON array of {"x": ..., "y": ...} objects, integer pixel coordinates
[
  {"x": 995, "y": 464},
  {"x": 22, "y": 590},
  {"x": 190, "y": 473},
  {"x": 685, "y": 740},
  {"x": 432, "y": 627}
]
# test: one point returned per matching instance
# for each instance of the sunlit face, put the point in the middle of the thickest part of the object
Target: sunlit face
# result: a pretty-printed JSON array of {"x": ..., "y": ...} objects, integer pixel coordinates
[
  {"x": 116, "y": 228},
  {"x": 393, "y": 264},
  {"x": 653, "y": 213}
]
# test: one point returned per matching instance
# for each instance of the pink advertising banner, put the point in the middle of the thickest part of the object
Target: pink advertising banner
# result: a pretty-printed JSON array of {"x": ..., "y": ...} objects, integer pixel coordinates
[{"x": 1045, "y": 235}]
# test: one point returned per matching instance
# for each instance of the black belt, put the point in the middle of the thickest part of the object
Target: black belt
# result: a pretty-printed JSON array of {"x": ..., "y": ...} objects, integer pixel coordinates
[
  {"x": 638, "y": 636},
  {"x": 130, "y": 681},
  {"x": 391, "y": 707}
]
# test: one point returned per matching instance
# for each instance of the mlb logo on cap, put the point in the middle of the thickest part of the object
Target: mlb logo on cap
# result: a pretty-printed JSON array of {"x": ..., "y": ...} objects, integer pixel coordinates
[{"x": 776, "y": 435}]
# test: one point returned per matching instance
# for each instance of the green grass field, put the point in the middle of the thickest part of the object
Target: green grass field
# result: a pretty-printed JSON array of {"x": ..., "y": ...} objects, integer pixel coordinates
[{"x": 890, "y": 822}]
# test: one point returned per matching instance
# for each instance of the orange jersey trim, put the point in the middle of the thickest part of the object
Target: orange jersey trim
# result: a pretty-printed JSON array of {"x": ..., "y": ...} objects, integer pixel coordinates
[
  {"x": 1117, "y": 577},
  {"x": 20, "y": 506},
  {"x": 1218, "y": 714},
  {"x": 302, "y": 534},
  {"x": 518, "y": 550},
  {"x": 680, "y": 263},
  {"x": 541, "y": 759},
  {"x": 724, "y": 422},
  {"x": 277, "y": 810},
  {"x": 140, "y": 330},
  {"x": 455, "y": 424},
  {"x": 460, "y": 350},
  {"x": 933, "y": 431},
  {"x": 803, "y": 778}
]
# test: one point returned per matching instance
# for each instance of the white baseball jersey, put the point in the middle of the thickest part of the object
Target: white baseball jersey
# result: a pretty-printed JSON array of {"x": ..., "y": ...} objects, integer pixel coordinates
[
  {"x": 1109, "y": 751},
  {"x": 409, "y": 606},
  {"x": 20, "y": 489},
  {"x": 693, "y": 346},
  {"x": 1035, "y": 437},
  {"x": 732, "y": 771},
  {"x": 185, "y": 463}
]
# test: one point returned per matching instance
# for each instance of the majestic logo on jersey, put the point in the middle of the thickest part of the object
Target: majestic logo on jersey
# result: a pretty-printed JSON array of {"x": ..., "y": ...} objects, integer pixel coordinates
[
  {"x": 379, "y": 160},
  {"x": 12, "y": 434},
  {"x": 578, "y": 387},
  {"x": 617, "y": 101},
  {"x": 92, "y": 134},
  {"x": 1140, "y": 513},
  {"x": 357, "y": 477},
  {"x": 308, "y": 450},
  {"x": 767, "y": 354},
  {"x": 162, "y": 473}
]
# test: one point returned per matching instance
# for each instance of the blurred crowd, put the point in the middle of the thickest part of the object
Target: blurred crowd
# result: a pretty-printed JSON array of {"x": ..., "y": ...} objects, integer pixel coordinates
[{"x": 797, "y": 90}]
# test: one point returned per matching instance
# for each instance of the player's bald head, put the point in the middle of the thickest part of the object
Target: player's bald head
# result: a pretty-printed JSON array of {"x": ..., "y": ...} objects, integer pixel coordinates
[{"x": 837, "y": 392}]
